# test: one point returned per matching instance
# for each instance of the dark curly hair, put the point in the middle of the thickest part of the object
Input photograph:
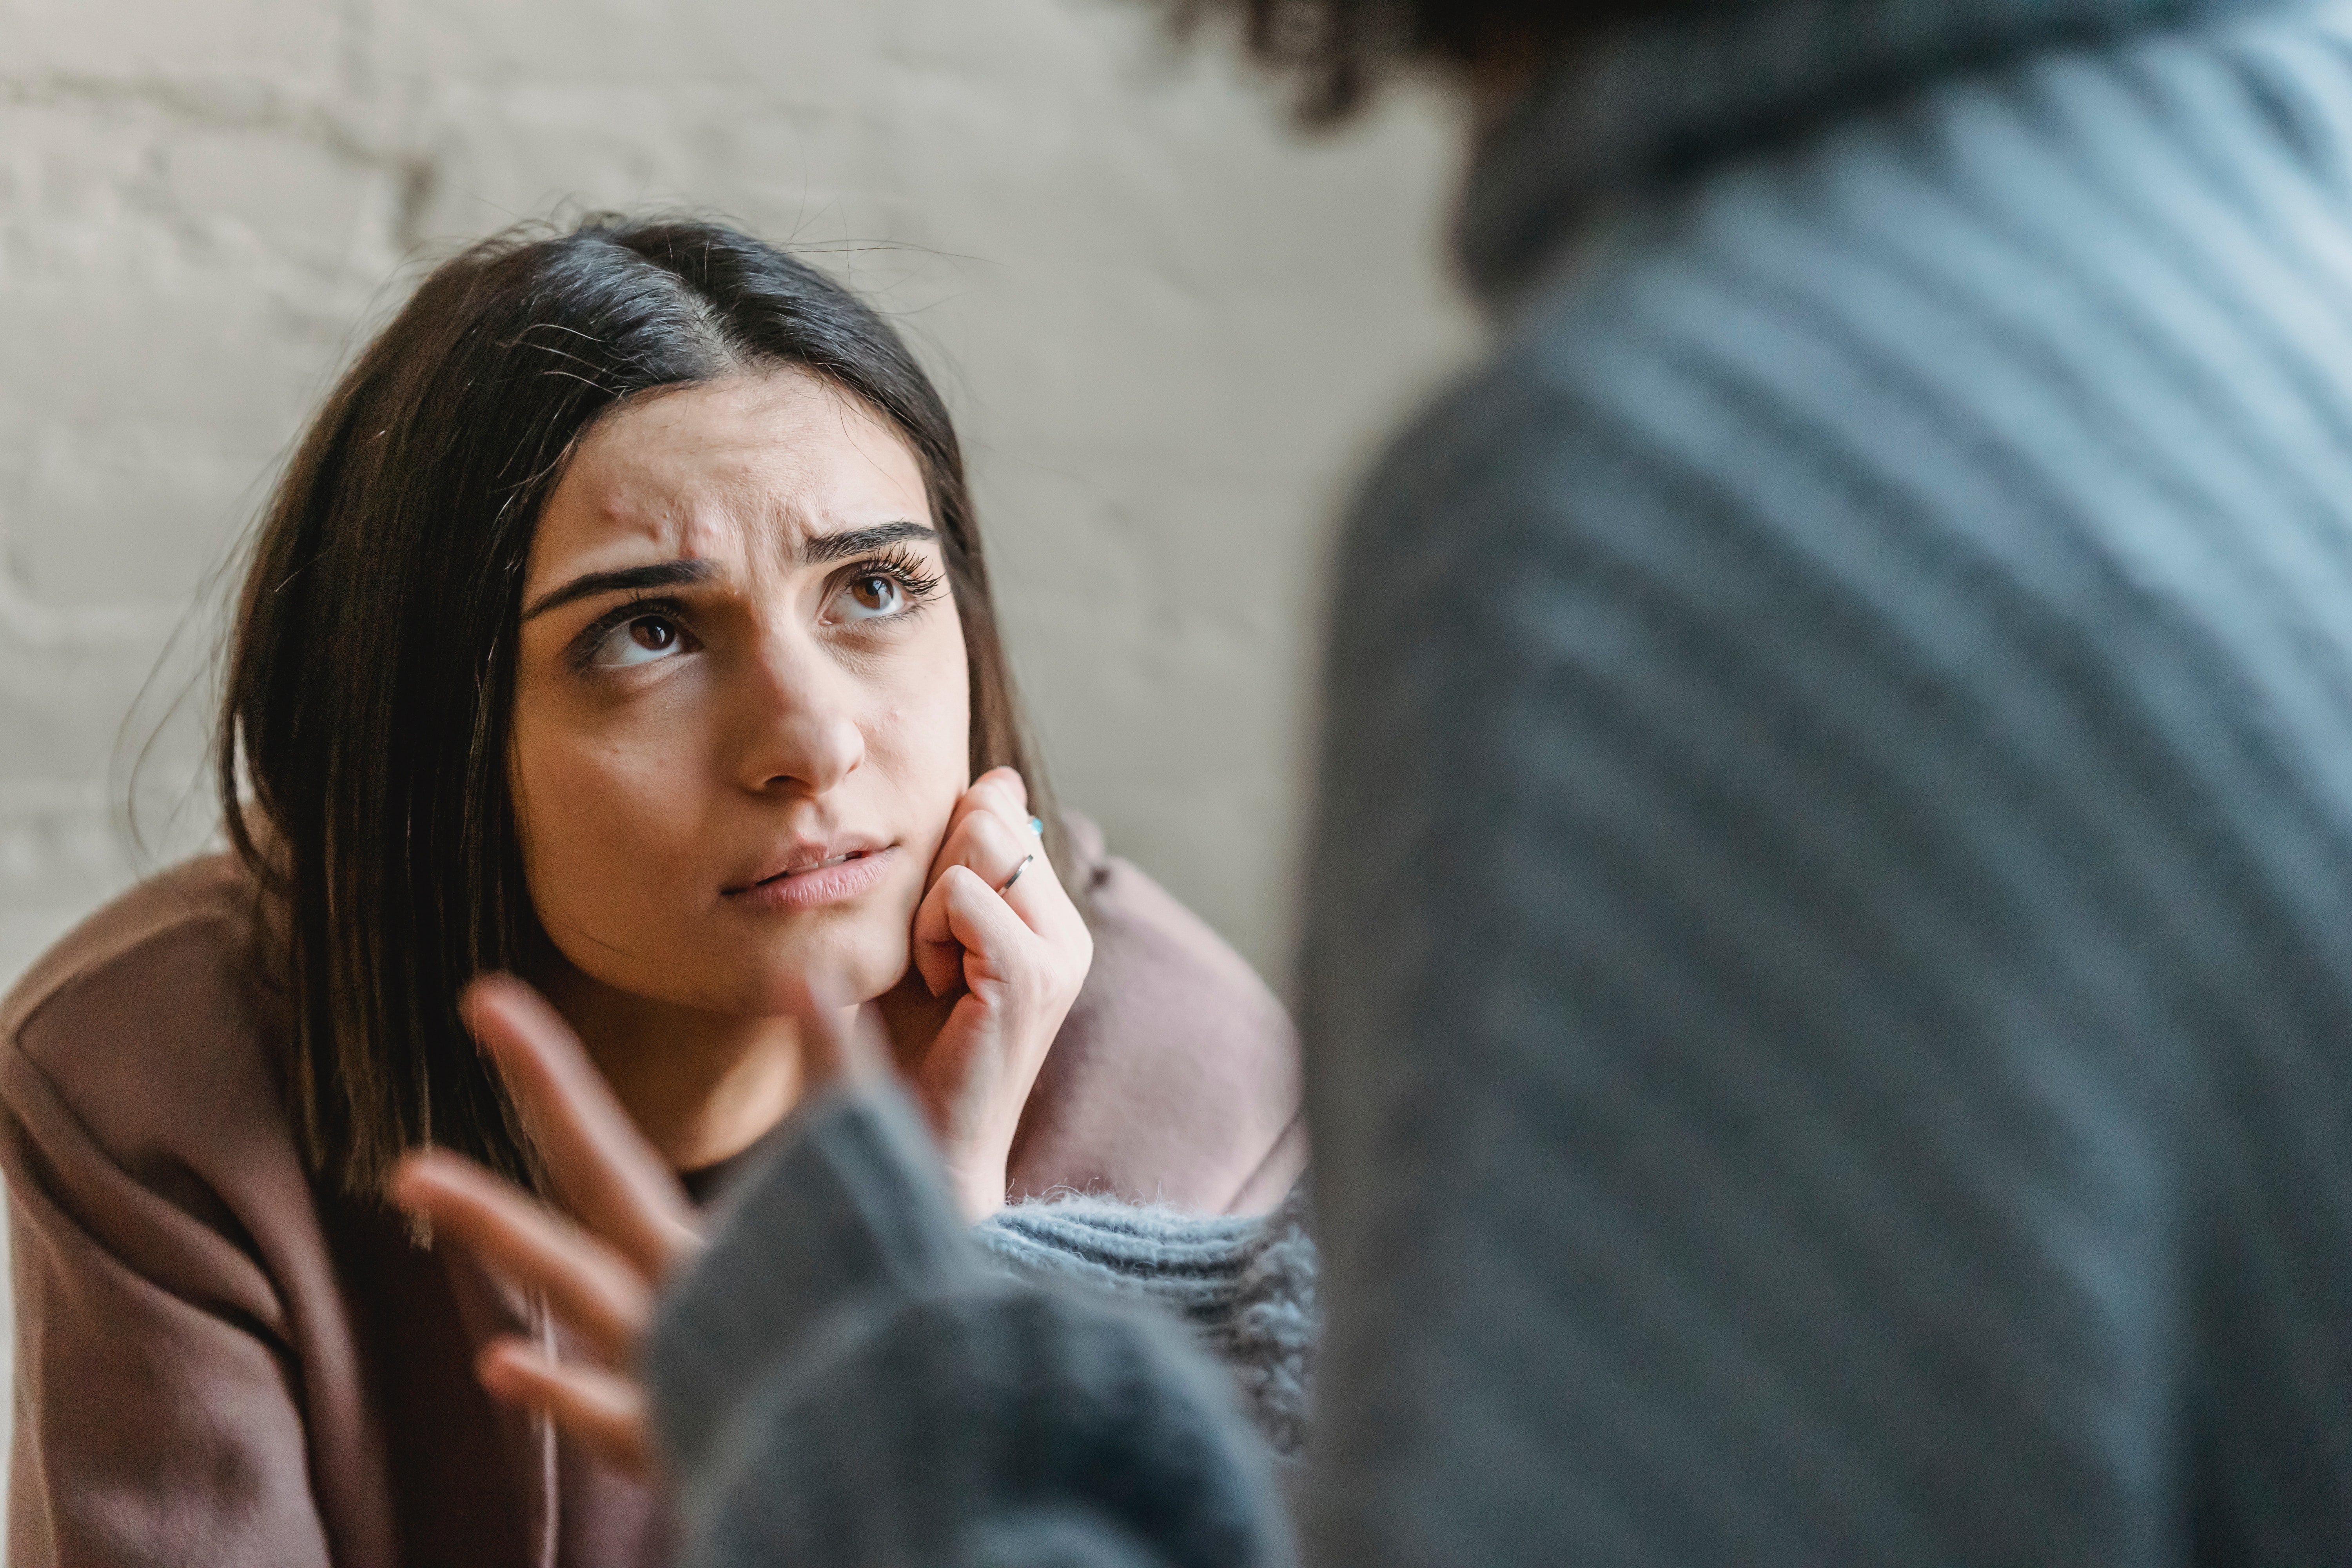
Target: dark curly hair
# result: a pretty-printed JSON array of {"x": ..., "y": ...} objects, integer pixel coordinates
[{"x": 1334, "y": 51}]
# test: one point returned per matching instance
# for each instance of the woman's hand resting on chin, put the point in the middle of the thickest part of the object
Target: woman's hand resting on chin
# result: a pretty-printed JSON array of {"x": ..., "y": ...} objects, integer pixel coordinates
[
  {"x": 995, "y": 970},
  {"x": 1000, "y": 950}
]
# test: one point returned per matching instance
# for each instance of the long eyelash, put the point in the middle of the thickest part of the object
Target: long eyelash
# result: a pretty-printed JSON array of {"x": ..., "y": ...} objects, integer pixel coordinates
[
  {"x": 583, "y": 651},
  {"x": 913, "y": 574}
]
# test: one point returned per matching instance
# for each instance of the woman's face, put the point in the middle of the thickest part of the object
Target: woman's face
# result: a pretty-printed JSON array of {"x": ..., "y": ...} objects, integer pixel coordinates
[{"x": 741, "y": 708}]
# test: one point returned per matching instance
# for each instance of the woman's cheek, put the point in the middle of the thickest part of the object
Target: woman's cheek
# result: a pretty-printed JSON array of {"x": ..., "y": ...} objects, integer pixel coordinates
[{"x": 599, "y": 833}]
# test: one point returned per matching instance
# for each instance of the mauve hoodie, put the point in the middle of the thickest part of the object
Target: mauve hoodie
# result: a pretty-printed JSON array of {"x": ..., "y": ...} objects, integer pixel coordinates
[{"x": 220, "y": 1362}]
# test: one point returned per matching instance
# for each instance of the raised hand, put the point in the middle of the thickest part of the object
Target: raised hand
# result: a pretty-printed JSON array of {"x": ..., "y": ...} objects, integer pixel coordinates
[
  {"x": 996, "y": 933},
  {"x": 623, "y": 1227},
  {"x": 996, "y": 940}
]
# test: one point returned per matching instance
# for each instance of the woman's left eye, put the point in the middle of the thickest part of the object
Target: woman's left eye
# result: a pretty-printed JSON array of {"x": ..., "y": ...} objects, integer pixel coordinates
[
  {"x": 871, "y": 595},
  {"x": 641, "y": 641}
]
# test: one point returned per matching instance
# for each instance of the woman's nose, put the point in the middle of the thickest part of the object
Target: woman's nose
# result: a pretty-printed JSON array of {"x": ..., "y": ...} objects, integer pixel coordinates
[{"x": 802, "y": 730}]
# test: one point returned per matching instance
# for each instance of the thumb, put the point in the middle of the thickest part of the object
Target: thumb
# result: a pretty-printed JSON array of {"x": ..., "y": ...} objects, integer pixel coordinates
[{"x": 840, "y": 1044}]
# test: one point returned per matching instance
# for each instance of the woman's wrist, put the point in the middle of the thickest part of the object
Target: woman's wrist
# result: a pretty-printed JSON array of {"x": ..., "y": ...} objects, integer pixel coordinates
[
  {"x": 975, "y": 1157},
  {"x": 978, "y": 1192}
]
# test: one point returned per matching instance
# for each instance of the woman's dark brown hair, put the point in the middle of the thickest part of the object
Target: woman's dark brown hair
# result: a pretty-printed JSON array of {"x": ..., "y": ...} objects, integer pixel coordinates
[{"x": 362, "y": 748}]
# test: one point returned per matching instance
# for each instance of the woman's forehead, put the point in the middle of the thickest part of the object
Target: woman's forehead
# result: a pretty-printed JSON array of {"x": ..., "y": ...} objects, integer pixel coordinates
[{"x": 749, "y": 468}]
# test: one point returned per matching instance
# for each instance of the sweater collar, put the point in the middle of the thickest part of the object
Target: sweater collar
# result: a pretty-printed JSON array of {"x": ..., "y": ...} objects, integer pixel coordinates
[{"x": 1662, "y": 101}]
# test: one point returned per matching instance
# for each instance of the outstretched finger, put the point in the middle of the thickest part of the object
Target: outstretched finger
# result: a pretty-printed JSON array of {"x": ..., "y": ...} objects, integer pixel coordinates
[
  {"x": 839, "y": 1042},
  {"x": 590, "y": 1286},
  {"x": 612, "y": 1178},
  {"x": 601, "y": 1411}
]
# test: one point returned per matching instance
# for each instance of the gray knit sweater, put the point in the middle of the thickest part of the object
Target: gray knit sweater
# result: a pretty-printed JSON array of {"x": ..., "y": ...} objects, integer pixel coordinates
[
  {"x": 1828, "y": 993},
  {"x": 1829, "y": 973},
  {"x": 1244, "y": 1284},
  {"x": 850, "y": 1376}
]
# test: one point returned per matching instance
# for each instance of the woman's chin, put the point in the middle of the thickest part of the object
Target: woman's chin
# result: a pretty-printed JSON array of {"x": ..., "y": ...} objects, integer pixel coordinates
[
  {"x": 845, "y": 963},
  {"x": 839, "y": 976}
]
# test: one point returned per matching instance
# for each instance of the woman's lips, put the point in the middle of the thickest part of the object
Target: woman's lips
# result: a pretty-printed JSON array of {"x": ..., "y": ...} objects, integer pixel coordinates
[{"x": 835, "y": 882}]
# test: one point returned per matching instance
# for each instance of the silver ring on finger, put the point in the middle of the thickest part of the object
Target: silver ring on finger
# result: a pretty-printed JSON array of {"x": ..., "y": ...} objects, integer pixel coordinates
[{"x": 1006, "y": 886}]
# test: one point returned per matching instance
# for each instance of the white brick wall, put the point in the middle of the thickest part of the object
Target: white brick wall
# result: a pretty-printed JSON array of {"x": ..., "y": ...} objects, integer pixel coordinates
[{"x": 1167, "y": 328}]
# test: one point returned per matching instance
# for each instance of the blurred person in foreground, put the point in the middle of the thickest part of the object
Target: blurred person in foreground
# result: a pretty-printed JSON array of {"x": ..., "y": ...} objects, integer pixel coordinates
[{"x": 1829, "y": 970}]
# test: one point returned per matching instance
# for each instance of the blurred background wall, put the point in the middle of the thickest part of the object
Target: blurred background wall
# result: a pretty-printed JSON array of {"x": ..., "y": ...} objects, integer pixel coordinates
[{"x": 1169, "y": 328}]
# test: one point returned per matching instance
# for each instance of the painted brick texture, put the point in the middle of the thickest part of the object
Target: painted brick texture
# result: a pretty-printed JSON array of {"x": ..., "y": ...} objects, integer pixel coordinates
[{"x": 1169, "y": 329}]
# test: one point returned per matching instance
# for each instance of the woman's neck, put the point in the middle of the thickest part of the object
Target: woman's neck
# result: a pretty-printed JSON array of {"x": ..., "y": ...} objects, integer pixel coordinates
[{"x": 702, "y": 1086}]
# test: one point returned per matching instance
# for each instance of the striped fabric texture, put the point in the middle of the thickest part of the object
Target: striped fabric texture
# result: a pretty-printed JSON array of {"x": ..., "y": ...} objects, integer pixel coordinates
[
  {"x": 1829, "y": 979},
  {"x": 845, "y": 1378},
  {"x": 1246, "y": 1286}
]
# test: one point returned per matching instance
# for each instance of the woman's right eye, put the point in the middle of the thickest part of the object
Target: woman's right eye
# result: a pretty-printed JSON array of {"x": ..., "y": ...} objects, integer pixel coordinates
[{"x": 640, "y": 641}]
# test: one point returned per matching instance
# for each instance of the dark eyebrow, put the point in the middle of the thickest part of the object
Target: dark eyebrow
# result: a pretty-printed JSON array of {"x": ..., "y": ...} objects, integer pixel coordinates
[
  {"x": 827, "y": 547},
  {"x": 816, "y": 552},
  {"x": 633, "y": 579}
]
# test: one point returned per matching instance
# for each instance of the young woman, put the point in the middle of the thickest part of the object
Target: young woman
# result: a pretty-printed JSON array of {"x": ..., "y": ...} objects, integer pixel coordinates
[{"x": 621, "y": 623}]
